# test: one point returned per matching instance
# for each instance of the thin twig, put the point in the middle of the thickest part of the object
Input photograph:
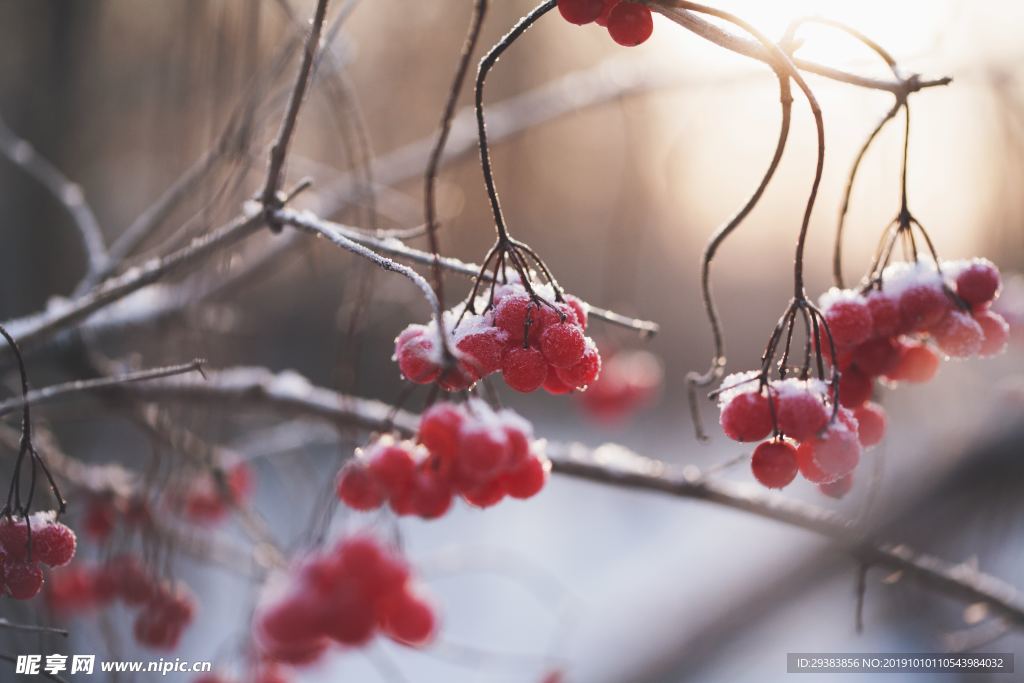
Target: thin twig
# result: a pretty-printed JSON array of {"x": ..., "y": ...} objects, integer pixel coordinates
[
  {"x": 32, "y": 628},
  {"x": 279, "y": 150},
  {"x": 400, "y": 251},
  {"x": 56, "y": 391},
  {"x": 67, "y": 193}
]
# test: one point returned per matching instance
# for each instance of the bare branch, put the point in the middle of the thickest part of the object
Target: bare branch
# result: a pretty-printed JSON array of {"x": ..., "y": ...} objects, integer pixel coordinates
[
  {"x": 67, "y": 193},
  {"x": 56, "y": 391},
  {"x": 748, "y": 48},
  {"x": 292, "y": 394},
  {"x": 279, "y": 150}
]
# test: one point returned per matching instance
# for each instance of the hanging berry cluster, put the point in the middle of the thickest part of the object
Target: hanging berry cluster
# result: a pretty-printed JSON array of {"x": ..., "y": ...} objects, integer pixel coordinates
[
  {"x": 27, "y": 543},
  {"x": 344, "y": 594},
  {"x": 809, "y": 434},
  {"x": 467, "y": 449},
  {"x": 897, "y": 331},
  {"x": 165, "y": 608},
  {"x": 205, "y": 501},
  {"x": 628, "y": 23},
  {"x": 533, "y": 343}
]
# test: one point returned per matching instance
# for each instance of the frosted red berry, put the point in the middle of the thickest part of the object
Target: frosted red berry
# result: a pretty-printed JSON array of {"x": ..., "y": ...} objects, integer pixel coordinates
[
  {"x": 995, "y": 333},
  {"x": 885, "y": 314},
  {"x": 524, "y": 369},
  {"x": 809, "y": 467},
  {"x": 416, "y": 357},
  {"x": 53, "y": 544},
  {"x": 526, "y": 480},
  {"x": 849, "y": 321},
  {"x": 800, "y": 414},
  {"x": 23, "y": 579},
  {"x": 917, "y": 363},
  {"x": 922, "y": 305},
  {"x": 871, "y": 423},
  {"x": 838, "y": 451},
  {"x": 838, "y": 488},
  {"x": 978, "y": 283},
  {"x": 357, "y": 489},
  {"x": 958, "y": 335},
  {"x": 391, "y": 467},
  {"x": 630, "y": 24},
  {"x": 439, "y": 430},
  {"x": 855, "y": 387},
  {"x": 747, "y": 417},
  {"x": 774, "y": 464},
  {"x": 563, "y": 344},
  {"x": 585, "y": 372},
  {"x": 481, "y": 351}
]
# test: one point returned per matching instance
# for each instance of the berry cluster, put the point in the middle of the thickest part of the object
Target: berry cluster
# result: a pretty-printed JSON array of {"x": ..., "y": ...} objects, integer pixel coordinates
[
  {"x": 628, "y": 381},
  {"x": 165, "y": 609},
  {"x": 805, "y": 437},
  {"x": 890, "y": 333},
  {"x": 469, "y": 450},
  {"x": 344, "y": 594},
  {"x": 628, "y": 23},
  {"x": 532, "y": 343},
  {"x": 204, "y": 501},
  {"x": 24, "y": 544}
]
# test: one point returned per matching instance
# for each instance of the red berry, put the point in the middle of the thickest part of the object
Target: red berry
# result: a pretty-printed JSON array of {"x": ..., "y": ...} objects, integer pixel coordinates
[
  {"x": 409, "y": 619},
  {"x": 585, "y": 372},
  {"x": 917, "y": 363},
  {"x": 53, "y": 544},
  {"x": 457, "y": 378},
  {"x": 563, "y": 344},
  {"x": 524, "y": 369},
  {"x": 838, "y": 451},
  {"x": 809, "y": 467},
  {"x": 871, "y": 424},
  {"x": 481, "y": 351},
  {"x": 357, "y": 489},
  {"x": 855, "y": 388},
  {"x": 774, "y": 463},
  {"x": 579, "y": 308},
  {"x": 580, "y": 12},
  {"x": 978, "y": 283},
  {"x": 958, "y": 335},
  {"x": 391, "y": 466},
  {"x": 439, "y": 430},
  {"x": 885, "y": 314},
  {"x": 609, "y": 5},
  {"x": 510, "y": 316},
  {"x": 485, "y": 495},
  {"x": 554, "y": 384},
  {"x": 352, "y": 615},
  {"x": 838, "y": 488},
  {"x": 747, "y": 417},
  {"x": 483, "y": 451},
  {"x": 416, "y": 356},
  {"x": 24, "y": 579},
  {"x": 800, "y": 414},
  {"x": 14, "y": 538},
  {"x": 921, "y": 306},
  {"x": 996, "y": 333},
  {"x": 431, "y": 495},
  {"x": 630, "y": 24},
  {"x": 526, "y": 480},
  {"x": 877, "y": 356},
  {"x": 849, "y": 321}
]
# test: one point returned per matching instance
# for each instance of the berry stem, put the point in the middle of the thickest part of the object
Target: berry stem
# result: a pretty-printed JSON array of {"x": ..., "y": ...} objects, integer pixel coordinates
[
  {"x": 718, "y": 360},
  {"x": 486, "y": 64},
  {"x": 436, "y": 154}
]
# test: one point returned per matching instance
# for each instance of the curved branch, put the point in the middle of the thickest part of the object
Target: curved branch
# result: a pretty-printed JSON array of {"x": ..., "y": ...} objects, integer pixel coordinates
[{"x": 291, "y": 394}]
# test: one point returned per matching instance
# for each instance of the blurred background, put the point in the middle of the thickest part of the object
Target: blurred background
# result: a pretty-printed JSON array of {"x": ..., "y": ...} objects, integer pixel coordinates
[{"x": 619, "y": 196}]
